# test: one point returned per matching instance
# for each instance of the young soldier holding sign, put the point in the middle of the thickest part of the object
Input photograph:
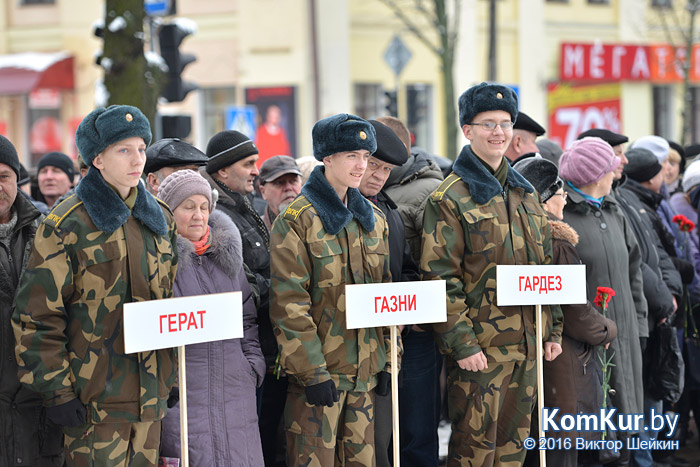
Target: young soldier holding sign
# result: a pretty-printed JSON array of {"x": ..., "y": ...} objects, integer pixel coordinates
[
  {"x": 482, "y": 215},
  {"x": 328, "y": 237},
  {"x": 109, "y": 244}
]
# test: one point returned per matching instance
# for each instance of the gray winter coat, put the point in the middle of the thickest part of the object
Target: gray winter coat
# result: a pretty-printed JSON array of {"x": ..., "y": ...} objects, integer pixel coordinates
[
  {"x": 27, "y": 437},
  {"x": 221, "y": 376},
  {"x": 409, "y": 186},
  {"x": 609, "y": 250}
]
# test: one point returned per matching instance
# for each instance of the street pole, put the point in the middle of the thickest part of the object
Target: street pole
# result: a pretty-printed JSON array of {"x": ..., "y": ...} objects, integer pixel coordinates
[{"x": 492, "y": 41}]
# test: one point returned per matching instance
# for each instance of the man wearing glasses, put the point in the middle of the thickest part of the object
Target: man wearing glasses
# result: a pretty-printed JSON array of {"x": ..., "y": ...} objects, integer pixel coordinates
[{"x": 484, "y": 214}]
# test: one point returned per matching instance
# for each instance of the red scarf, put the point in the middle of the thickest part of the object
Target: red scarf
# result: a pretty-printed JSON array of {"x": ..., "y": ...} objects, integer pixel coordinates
[{"x": 203, "y": 244}]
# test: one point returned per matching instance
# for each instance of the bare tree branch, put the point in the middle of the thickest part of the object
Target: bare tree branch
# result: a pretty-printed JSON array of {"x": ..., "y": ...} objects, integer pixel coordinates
[
  {"x": 454, "y": 30},
  {"x": 430, "y": 15},
  {"x": 411, "y": 26}
]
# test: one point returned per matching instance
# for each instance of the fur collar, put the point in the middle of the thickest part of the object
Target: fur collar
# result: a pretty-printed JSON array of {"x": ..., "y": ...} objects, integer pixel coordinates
[
  {"x": 108, "y": 211},
  {"x": 333, "y": 213},
  {"x": 563, "y": 231},
  {"x": 482, "y": 184},
  {"x": 226, "y": 250}
]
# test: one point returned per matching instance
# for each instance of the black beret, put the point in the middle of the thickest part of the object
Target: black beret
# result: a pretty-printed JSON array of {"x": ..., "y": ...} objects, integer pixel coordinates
[
  {"x": 610, "y": 137},
  {"x": 104, "y": 127},
  {"x": 643, "y": 165},
  {"x": 681, "y": 152},
  {"x": 8, "y": 154},
  {"x": 542, "y": 174},
  {"x": 171, "y": 152},
  {"x": 60, "y": 161},
  {"x": 228, "y": 147},
  {"x": 692, "y": 150},
  {"x": 390, "y": 149},
  {"x": 485, "y": 97},
  {"x": 525, "y": 122},
  {"x": 340, "y": 133}
]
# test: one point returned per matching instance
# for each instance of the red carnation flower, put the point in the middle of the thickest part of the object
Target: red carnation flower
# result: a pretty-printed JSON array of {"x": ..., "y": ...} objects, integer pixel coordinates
[{"x": 603, "y": 296}]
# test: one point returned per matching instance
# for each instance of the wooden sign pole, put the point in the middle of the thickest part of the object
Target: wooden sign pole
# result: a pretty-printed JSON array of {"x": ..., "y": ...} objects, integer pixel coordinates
[
  {"x": 184, "y": 450},
  {"x": 395, "y": 394},
  {"x": 540, "y": 384}
]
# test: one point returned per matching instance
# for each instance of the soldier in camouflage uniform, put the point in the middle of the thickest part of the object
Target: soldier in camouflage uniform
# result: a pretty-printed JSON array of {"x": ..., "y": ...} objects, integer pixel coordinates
[
  {"x": 482, "y": 215},
  {"x": 328, "y": 237},
  {"x": 109, "y": 244}
]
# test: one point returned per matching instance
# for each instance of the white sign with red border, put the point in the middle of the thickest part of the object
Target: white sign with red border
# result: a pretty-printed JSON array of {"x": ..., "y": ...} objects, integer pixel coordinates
[
  {"x": 173, "y": 322},
  {"x": 395, "y": 303},
  {"x": 541, "y": 284}
]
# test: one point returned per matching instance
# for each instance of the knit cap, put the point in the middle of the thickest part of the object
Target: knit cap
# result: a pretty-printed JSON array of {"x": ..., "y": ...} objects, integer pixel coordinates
[
  {"x": 228, "y": 147},
  {"x": 104, "y": 127},
  {"x": 180, "y": 185},
  {"x": 643, "y": 165},
  {"x": 8, "y": 154},
  {"x": 542, "y": 174},
  {"x": 656, "y": 144},
  {"x": 58, "y": 160},
  {"x": 587, "y": 160},
  {"x": 691, "y": 176}
]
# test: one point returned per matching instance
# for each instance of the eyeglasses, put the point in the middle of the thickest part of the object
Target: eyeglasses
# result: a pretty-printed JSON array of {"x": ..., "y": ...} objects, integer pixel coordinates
[
  {"x": 563, "y": 194},
  {"x": 490, "y": 126}
]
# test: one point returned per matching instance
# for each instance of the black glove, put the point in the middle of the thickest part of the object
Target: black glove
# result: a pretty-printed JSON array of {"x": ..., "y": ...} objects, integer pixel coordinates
[
  {"x": 71, "y": 413},
  {"x": 324, "y": 393},
  {"x": 174, "y": 397},
  {"x": 383, "y": 383},
  {"x": 685, "y": 268}
]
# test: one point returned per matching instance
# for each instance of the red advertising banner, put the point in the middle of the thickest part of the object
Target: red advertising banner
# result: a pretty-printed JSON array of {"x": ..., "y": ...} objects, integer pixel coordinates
[
  {"x": 600, "y": 62},
  {"x": 575, "y": 109}
]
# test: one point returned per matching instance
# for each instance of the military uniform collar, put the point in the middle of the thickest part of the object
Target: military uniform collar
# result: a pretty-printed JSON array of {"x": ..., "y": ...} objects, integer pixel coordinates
[
  {"x": 333, "y": 213},
  {"x": 483, "y": 186}
]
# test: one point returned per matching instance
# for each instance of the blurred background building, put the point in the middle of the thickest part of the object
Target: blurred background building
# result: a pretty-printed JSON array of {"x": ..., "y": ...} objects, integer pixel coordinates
[{"x": 266, "y": 64}]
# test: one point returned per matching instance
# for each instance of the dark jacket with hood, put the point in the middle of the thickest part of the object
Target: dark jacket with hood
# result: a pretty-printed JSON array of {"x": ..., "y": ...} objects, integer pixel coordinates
[
  {"x": 27, "y": 437},
  {"x": 221, "y": 375},
  {"x": 572, "y": 381},
  {"x": 403, "y": 267},
  {"x": 409, "y": 186}
]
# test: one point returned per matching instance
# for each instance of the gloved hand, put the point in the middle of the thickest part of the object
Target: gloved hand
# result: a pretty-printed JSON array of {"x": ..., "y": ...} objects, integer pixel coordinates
[
  {"x": 324, "y": 393},
  {"x": 174, "y": 397},
  {"x": 383, "y": 383},
  {"x": 71, "y": 413}
]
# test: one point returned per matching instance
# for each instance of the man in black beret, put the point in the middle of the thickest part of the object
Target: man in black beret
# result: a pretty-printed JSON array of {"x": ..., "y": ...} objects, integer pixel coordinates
[
  {"x": 483, "y": 215},
  {"x": 525, "y": 132},
  {"x": 55, "y": 173},
  {"x": 390, "y": 153},
  {"x": 169, "y": 155}
]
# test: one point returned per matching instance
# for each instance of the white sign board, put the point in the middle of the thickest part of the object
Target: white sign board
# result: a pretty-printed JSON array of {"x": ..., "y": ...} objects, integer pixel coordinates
[
  {"x": 395, "y": 303},
  {"x": 160, "y": 324},
  {"x": 541, "y": 285}
]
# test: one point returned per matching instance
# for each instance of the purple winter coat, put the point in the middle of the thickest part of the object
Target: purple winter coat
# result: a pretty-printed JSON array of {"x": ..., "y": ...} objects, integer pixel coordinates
[
  {"x": 690, "y": 244},
  {"x": 221, "y": 376}
]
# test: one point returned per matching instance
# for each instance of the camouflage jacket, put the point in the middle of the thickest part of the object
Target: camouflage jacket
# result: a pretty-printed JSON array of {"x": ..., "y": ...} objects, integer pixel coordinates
[
  {"x": 472, "y": 224},
  {"x": 68, "y": 317},
  {"x": 318, "y": 246}
]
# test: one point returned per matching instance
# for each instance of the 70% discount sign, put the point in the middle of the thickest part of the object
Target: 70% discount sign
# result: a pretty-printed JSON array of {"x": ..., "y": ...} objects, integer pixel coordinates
[
  {"x": 394, "y": 304},
  {"x": 540, "y": 285},
  {"x": 176, "y": 322}
]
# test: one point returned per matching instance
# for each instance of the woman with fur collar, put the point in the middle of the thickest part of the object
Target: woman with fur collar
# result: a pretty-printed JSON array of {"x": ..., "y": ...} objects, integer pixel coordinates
[
  {"x": 222, "y": 375},
  {"x": 572, "y": 381}
]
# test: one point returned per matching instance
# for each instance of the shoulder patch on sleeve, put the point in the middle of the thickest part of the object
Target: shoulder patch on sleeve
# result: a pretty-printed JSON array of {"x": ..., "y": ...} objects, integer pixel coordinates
[
  {"x": 296, "y": 208},
  {"x": 163, "y": 205},
  {"x": 60, "y": 212},
  {"x": 439, "y": 192}
]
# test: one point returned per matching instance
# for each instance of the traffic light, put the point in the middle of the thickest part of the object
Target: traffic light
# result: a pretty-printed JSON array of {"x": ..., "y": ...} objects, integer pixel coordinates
[
  {"x": 170, "y": 37},
  {"x": 175, "y": 126},
  {"x": 390, "y": 105}
]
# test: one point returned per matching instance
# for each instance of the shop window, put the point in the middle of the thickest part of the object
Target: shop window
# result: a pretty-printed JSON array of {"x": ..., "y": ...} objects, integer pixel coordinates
[
  {"x": 369, "y": 100},
  {"x": 419, "y": 102},
  {"x": 215, "y": 101},
  {"x": 663, "y": 111}
]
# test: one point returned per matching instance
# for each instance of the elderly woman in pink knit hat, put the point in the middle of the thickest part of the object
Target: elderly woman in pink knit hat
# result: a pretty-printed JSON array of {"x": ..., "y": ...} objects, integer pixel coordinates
[{"x": 609, "y": 249}]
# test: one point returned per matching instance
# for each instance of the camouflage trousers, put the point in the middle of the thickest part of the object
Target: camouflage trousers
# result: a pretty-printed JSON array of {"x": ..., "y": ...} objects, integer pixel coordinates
[
  {"x": 113, "y": 444},
  {"x": 490, "y": 413},
  {"x": 342, "y": 435}
]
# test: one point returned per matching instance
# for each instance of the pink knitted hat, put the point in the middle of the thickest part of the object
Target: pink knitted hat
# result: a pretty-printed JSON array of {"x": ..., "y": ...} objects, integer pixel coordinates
[
  {"x": 180, "y": 185},
  {"x": 586, "y": 161}
]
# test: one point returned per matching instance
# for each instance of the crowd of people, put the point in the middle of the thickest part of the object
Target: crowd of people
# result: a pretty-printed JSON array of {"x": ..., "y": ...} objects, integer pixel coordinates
[{"x": 153, "y": 221}]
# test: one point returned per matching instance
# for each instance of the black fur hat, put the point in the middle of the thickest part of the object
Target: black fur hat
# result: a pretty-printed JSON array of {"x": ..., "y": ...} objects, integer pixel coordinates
[
  {"x": 485, "y": 97},
  {"x": 342, "y": 132}
]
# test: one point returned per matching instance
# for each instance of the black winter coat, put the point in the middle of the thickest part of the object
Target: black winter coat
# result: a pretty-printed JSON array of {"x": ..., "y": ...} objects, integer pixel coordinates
[{"x": 403, "y": 267}]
